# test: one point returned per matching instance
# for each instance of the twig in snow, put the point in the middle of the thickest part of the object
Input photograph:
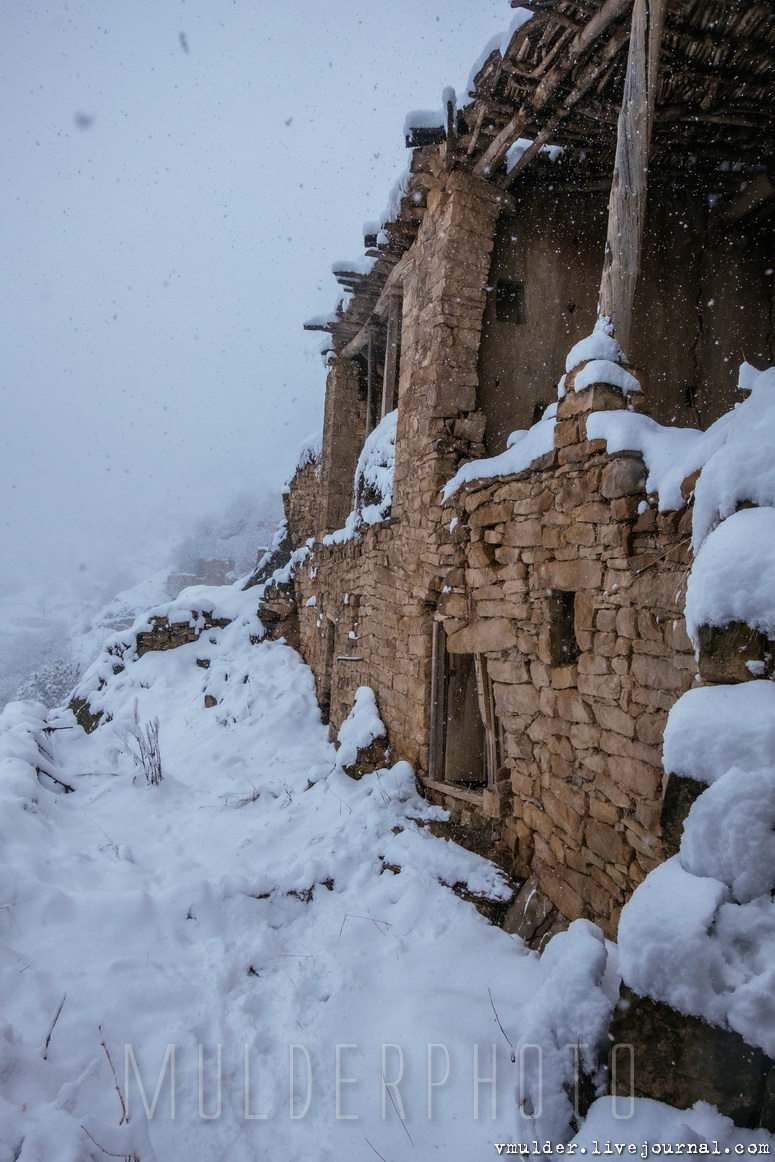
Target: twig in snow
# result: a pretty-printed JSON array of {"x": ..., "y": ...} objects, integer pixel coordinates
[
  {"x": 142, "y": 742},
  {"x": 500, "y": 1026},
  {"x": 354, "y": 916},
  {"x": 376, "y": 1151},
  {"x": 395, "y": 1107},
  {"x": 53, "y": 1024},
  {"x": 54, "y": 779},
  {"x": 341, "y": 800},
  {"x": 124, "y": 1110},
  {"x": 126, "y": 1157}
]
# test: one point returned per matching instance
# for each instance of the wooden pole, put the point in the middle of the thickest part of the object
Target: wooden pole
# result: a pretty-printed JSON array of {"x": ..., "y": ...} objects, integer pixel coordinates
[
  {"x": 391, "y": 355},
  {"x": 370, "y": 375},
  {"x": 627, "y": 203}
]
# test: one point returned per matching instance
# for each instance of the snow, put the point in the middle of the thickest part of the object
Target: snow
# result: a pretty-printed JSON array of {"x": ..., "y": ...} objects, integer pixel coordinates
[
  {"x": 568, "y": 1016},
  {"x": 498, "y": 43},
  {"x": 353, "y": 265},
  {"x": 665, "y": 450},
  {"x": 641, "y": 1120},
  {"x": 747, "y": 376},
  {"x": 714, "y": 728},
  {"x": 728, "y": 835},
  {"x": 425, "y": 119},
  {"x": 714, "y": 957},
  {"x": 731, "y": 578},
  {"x": 360, "y": 728},
  {"x": 515, "y": 151},
  {"x": 740, "y": 466},
  {"x": 373, "y": 484},
  {"x": 310, "y": 452},
  {"x": 736, "y": 455},
  {"x": 523, "y": 448},
  {"x": 259, "y": 902},
  {"x": 601, "y": 344},
  {"x": 256, "y": 897},
  {"x": 605, "y": 371},
  {"x": 392, "y": 210}
]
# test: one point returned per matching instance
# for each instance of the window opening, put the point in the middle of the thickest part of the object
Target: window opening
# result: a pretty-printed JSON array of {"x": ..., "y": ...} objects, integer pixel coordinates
[
  {"x": 326, "y": 685},
  {"x": 510, "y": 302},
  {"x": 563, "y": 643},
  {"x": 464, "y": 743}
]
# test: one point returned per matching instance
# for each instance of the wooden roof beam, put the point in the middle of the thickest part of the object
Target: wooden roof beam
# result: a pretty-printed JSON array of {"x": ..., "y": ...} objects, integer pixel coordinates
[
  {"x": 589, "y": 77},
  {"x": 584, "y": 40}
]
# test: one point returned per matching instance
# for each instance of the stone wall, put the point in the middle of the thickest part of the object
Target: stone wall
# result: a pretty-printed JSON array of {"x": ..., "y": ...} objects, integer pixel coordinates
[
  {"x": 384, "y": 587},
  {"x": 168, "y": 635},
  {"x": 563, "y": 581},
  {"x": 344, "y": 430},
  {"x": 571, "y": 548},
  {"x": 302, "y": 503}
]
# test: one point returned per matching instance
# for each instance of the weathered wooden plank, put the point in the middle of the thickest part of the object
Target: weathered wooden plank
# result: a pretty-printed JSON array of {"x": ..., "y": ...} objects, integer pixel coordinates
[{"x": 627, "y": 203}]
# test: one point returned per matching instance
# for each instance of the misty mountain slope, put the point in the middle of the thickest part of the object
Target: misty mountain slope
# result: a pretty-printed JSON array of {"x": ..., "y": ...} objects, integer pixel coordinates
[
  {"x": 260, "y": 904},
  {"x": 61, "y": 623}
]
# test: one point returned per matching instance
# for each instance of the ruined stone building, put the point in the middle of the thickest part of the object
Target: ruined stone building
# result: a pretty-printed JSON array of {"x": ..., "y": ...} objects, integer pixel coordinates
[{"x": 525, "y": 636}]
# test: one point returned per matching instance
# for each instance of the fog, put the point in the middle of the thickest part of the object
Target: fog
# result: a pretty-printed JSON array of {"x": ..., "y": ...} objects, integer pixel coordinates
[{"x": 178, "y": 178}]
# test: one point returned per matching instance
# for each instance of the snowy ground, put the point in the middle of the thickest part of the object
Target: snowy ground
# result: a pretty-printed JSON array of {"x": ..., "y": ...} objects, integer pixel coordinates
[{"x": 261, "y": 905}]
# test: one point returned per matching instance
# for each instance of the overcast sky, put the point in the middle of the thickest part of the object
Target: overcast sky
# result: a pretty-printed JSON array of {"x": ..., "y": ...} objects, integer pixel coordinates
[{"x": 178, "y": 177}]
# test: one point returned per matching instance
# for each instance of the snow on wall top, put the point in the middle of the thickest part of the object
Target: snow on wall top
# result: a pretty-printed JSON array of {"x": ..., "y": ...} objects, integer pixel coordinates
[
  {"x": 601, "y": 344},
  {"x": 360, "y": 728},
  {"x": 714, "y": 728},
  {"x": 373, "y": 484},
  {"x": 715, "y": 956},
  {"x": 498, "y": 43},
  {"x": 736, "y": 454},
  {"x": 310, "y": 451},
  {"x": 665, "y": 450},
  {"x": 523, "y": 448},
  {"x": 731, "y": 578}
]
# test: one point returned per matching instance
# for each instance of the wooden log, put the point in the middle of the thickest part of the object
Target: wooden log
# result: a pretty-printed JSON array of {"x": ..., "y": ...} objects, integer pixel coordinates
[
  {"x": 589, "y": 77},
  {"x": 627, "y": 203},
  {"x": 371, "y": 383},
  {"x": 390, "y": 380},
  {"x": 581, "y": 43}
]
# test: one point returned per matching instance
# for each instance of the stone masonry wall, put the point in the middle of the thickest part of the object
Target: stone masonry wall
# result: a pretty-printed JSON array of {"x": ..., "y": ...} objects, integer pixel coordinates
[
  {"x": 302, "y": 503},
  {"x": 344, "y": 425},
  {"x": 390, "y": 577},
  {"x": 581, "y": 809},
  {"x": 577, "y": 799}
]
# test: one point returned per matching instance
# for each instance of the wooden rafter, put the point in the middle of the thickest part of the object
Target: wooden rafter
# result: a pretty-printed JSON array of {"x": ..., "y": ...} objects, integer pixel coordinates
[{"x": 582, "y": 43}]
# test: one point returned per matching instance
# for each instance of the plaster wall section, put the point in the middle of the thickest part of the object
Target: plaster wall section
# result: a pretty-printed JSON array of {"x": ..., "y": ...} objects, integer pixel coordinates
[{"x": 699, "y": 309}]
